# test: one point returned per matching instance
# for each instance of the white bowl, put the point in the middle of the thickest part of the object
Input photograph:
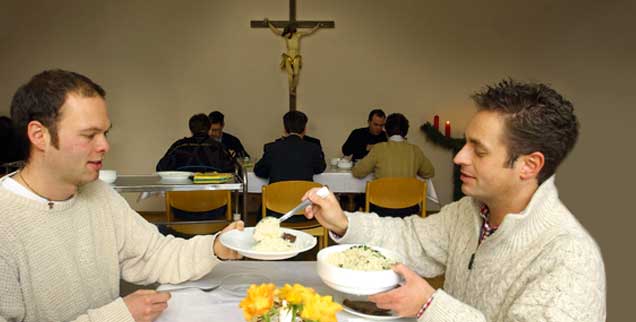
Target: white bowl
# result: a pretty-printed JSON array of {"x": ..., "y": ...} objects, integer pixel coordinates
[
  {"x": 175, "y": 175},
  {"x": 334, "y": 161},
  {"x": 356, "y": 282},
  {"x": 345, "y": 164},
  {"x": 108, "y": 176}
]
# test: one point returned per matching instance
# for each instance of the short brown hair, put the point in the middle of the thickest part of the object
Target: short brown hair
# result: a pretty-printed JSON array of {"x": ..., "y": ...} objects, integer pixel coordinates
[
  {"x": 537, "y": 119},
  {"x": 41, "y": 99}
]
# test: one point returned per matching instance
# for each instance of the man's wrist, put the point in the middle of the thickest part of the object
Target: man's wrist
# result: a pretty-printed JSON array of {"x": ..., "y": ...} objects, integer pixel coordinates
[
  {"x": 342, "y": 227},
  {"x": 425, "y": 306}
]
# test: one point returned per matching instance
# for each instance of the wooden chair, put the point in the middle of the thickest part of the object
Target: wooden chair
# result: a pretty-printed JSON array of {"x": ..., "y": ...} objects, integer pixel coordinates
[
  {"x": 198, "y": 201},
  {"x": 283, "y": 196},
  {"x": 396, "y": 193}
]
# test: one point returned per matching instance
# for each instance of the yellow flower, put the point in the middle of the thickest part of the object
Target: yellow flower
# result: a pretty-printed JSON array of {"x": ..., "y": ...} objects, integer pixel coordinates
[
  {"x": 259, "y": 300},
  {"x": 294, "y": 294},
  {"x": 319, "y": 308}
]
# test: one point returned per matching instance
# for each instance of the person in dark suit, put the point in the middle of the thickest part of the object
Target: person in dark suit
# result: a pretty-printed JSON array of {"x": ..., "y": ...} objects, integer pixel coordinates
[
  {"x": 291, "y": 158},
  {"x": 232, "y": 143}
]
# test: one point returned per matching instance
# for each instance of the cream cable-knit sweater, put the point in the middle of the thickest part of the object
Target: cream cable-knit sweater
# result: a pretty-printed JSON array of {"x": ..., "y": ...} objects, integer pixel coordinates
[
  {"x": 540, "y": 264},
  {"x": 66, "y": 263}
]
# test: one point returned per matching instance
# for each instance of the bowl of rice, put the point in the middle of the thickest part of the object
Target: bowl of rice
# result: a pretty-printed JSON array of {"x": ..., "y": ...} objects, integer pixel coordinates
[{"x": 358, "y": 269}]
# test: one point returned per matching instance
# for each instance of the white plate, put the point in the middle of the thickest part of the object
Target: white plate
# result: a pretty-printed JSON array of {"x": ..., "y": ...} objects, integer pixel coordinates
[
  {"x": 242, "y": 242},
  {"x": 174, "y": 175},
  {"x": 393, "y": 316}
]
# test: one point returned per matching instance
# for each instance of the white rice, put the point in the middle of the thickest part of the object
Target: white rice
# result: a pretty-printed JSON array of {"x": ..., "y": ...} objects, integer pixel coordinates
[
  {"x": 273, "y": 245},
  {"x": 360, "y": 258},
  {"x": 268, "y": 236},
  {"x": 267, "y": 228}
]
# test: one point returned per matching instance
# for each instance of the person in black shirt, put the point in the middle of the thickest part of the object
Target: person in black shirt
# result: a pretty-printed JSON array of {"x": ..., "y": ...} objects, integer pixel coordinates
[
  {"x": 9, "y": 147},
  {"x": 231, "y": 142},
  {"x": 198, "y": 153},
  {"x": 361, "y": 140}
]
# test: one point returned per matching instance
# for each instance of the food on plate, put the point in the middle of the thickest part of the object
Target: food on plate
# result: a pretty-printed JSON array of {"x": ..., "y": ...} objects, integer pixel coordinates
[
  {"x": 360, "y": 258},
  {"x": 366, "y": 307},
  {"x": 270, "y": 238}
]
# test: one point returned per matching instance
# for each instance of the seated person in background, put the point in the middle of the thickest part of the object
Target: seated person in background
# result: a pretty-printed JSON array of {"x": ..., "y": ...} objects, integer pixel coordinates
[
  {"x": 66, "y": 238},
  {"x": 232, "y": 143},
  {"x": 395, "y": 158},
  {"x": 9, "y": 147},
  {"x": 308, "y": 138},
  {"x": 361, "y": 140},
  {"x": 198, "y": 153},
  {"x": 537, "y": 262},
  {"x": 291, "y": 158}
]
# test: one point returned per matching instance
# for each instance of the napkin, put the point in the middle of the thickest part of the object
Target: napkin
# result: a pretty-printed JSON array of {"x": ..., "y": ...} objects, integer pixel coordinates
[{"x": 212, "y": 177}]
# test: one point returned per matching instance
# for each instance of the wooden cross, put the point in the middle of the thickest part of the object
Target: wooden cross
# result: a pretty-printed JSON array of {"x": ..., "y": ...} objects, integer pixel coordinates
[{"x": 299, "y": 24}]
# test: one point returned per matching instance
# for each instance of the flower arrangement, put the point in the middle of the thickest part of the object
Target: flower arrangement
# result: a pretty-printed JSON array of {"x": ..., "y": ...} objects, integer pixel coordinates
[{"x": 266, "y": 303}]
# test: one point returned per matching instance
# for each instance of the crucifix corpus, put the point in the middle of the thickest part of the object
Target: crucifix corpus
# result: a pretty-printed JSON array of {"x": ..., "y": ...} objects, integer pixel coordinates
[{"x": 291, "y": 61}]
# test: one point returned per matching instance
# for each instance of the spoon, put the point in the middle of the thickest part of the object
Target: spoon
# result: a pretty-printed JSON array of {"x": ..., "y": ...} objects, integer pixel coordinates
[{"x": 322, "y": 193}]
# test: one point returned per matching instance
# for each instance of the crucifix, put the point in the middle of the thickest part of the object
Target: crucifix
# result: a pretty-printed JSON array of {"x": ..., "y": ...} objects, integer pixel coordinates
[{"x": 291, "y": 60}]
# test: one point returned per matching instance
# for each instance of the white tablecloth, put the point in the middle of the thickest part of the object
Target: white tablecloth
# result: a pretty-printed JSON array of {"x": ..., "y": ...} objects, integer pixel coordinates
[
  {"x": 222, "y": 304},
  {"x": 338, "y": 180}
]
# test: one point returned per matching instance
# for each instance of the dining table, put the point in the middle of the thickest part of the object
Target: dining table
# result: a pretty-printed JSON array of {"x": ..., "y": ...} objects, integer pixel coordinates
[
  {"x": 226, "y": 285},
  {"x": 339, "y": 181}
]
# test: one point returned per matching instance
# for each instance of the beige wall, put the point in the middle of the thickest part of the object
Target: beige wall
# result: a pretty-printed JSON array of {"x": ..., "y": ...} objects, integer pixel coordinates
[{"x": 162, "y": 61}]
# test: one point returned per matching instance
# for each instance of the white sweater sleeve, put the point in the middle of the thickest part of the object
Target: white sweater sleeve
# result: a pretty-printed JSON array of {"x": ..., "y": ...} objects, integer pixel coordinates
[
  {"x": 424, "y": 242},
  {"x": 146, "y": 256}
]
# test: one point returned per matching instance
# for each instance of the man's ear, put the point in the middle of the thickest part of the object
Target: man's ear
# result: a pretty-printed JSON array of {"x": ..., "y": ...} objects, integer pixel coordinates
[
  {"x": 38, "y": 134},
  {"x": 531, "y": 165}
]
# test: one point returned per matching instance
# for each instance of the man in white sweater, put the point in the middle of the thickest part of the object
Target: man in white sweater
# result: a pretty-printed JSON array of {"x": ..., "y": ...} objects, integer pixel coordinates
[
  {"x": 510, "y": 250},
  {"x": 66, "y": 239}
]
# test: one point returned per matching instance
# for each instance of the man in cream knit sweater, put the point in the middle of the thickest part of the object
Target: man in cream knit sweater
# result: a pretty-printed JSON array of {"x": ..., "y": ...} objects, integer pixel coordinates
[
  {"x": 66, "y": 239},
  {"x": 510, "y": 250}
]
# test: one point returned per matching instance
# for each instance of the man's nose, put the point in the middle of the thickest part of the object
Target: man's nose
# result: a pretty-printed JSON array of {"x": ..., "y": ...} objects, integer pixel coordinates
[
  {"x": 460, "y": 158},
  {"x": 103, "y": 145}
]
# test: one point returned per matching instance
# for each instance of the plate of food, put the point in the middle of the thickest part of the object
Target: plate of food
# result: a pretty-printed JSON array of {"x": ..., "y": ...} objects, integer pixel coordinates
[
  {"x": 268, "y": 241},
  {"x": 175, "y": 175},
  {"x": 368, "y": 310},
  {"x": 358, "y": 269}
]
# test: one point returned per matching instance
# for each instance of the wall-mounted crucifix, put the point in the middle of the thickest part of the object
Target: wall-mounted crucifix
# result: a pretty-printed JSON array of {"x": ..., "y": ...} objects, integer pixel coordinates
[{"x": 291, "y": 61}]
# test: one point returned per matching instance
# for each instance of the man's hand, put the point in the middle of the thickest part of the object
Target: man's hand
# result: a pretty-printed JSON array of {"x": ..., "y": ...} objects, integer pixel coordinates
[
  {"x": 407, "y": 299},
  {"x": 327, "y": 211},
  {"x": 146, "y": 305},
  {"x": 223, "y": 252},
  {"x": 369, "y": 147}
]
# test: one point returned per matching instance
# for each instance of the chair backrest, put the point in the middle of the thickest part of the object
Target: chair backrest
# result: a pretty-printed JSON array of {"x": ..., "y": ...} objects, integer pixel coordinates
[
  {"x": 285, "y": 195},
  {"x": 396, "y": 193},
  {"x": 198, "y": 201}
]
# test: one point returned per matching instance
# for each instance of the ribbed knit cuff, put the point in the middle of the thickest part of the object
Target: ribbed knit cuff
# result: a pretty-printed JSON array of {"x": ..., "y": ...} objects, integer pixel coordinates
[
  {"x": 116, "y": 311},
  {"x": 445, "y": 308}
]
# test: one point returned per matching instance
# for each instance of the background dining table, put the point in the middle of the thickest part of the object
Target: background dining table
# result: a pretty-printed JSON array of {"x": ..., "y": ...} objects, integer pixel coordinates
[
  {"x": 339, "y": 181},
  {"x": 230, "y": 281}
]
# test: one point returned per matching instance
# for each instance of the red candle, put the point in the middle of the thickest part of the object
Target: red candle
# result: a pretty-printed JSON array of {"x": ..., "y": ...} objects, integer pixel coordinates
[
  {"x": 447, "y": 129},
  {"x": 436, "y": 122}
]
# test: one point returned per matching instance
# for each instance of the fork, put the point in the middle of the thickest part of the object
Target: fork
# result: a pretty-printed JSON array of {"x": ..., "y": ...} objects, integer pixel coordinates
[{"x": 183, "y": 287}]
